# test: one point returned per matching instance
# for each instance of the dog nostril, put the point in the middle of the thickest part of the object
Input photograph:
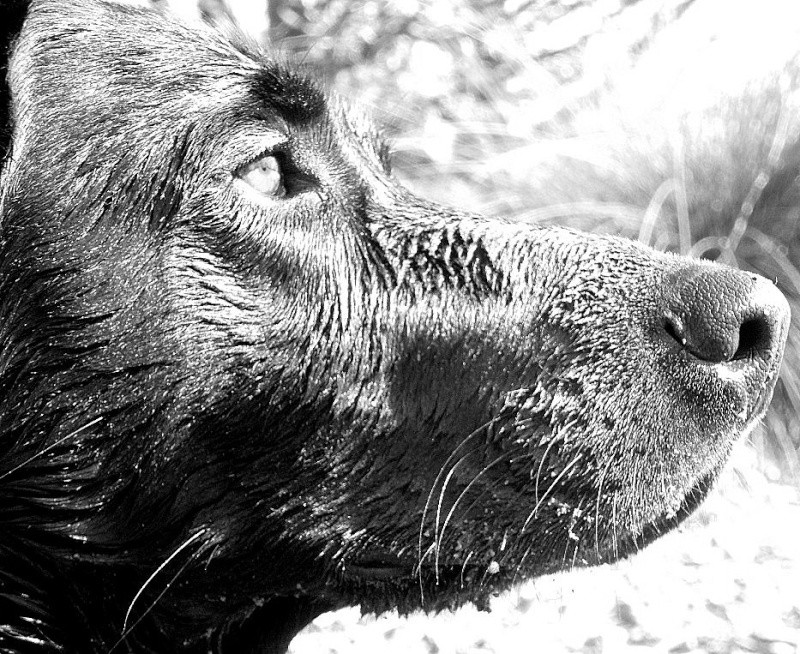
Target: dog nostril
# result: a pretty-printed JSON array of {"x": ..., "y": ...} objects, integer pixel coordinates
[
  {"x": 755, "y": 335},
  {"x": 674, "y": 329},
  {"x": 718, "y": 314},
  {"x": 710, "y": 340}
]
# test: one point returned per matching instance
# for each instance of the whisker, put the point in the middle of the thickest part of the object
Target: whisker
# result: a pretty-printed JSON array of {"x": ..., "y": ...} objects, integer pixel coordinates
[
  {"x": 164, "y": 564},
  {"x": 464, "y": 567},
  {"x": 444, "y": 490},
  {"x": 570, "y": 534},
  {"x": 597, "y": 509},
  {"x": 510, "y": 545},
  {"x": 614, "y": 526},
  {"x": 50, "y": 447},
  {"x": 552, "y": 486},
  {"x": 574, "y": 556},
  {"x": 439, "y": 504},
  {"x": 467, "y": 488},
  {"x": 519, "y": 565},
  {"x": 428, "y": 552},
  {"x": 480, "y": 495},
  {"x": 539, "y": 470},
  {"x": 635, "y": 483},
  {"x": 167, "y": 586},
  {"x": 436, "y": 481},
  {"x": 441, "y": 472}
]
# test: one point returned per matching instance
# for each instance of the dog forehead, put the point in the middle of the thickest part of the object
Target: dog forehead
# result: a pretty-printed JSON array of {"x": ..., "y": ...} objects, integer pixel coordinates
[{"x": 96, "y": 54}]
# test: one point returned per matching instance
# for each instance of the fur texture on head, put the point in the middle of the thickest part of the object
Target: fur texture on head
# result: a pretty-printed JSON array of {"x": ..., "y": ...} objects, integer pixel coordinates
[{"x": 246, "y": 377}]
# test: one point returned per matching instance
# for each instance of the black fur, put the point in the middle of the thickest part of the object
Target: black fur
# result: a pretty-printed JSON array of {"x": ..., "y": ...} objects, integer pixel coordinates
[{"x": 224, "y": 412}]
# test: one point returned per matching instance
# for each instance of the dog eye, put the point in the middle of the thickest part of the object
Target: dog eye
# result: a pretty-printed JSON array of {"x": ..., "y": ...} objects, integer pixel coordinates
[{"x": 264, "y": 175}]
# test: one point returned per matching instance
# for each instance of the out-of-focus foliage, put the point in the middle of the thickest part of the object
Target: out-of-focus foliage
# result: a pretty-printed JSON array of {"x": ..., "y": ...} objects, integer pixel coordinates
[{"x": 465, "y": 87}]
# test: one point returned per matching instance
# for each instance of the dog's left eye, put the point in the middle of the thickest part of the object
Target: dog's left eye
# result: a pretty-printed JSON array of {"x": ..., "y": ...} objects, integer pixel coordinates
[{"x": 264, "y": 175}]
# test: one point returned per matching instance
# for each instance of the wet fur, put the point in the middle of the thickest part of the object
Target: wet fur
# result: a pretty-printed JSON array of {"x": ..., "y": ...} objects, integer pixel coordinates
[{"x": 223, "y": 415}]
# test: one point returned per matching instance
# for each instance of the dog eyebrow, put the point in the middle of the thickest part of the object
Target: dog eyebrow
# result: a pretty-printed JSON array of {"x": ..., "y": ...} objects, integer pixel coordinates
[{"x": 292, "y": 96}]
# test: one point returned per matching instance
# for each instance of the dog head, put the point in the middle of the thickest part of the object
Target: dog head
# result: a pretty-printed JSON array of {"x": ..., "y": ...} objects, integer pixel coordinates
[{"x": 236, "y": 352}]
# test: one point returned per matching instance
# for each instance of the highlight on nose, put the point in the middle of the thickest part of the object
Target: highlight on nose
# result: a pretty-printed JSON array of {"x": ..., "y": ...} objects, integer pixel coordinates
[{"x": 720, "y": 314}]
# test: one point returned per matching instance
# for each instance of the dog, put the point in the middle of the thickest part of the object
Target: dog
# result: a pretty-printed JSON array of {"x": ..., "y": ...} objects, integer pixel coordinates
[{"x": 247, "y": 377}]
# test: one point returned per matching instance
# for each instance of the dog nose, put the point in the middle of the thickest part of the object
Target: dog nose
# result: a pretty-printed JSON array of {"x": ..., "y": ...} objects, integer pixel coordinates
[{"x": 719, "y": 314}]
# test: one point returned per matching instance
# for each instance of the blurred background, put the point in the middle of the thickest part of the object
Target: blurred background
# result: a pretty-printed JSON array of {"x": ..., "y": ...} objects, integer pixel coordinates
[{"x": 606, "y": 115}]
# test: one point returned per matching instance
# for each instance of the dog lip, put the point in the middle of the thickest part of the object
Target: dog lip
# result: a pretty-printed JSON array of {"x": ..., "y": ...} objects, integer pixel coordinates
[
  {"x": 748, "y": 383},
  {"x": 378, "y": 566}
]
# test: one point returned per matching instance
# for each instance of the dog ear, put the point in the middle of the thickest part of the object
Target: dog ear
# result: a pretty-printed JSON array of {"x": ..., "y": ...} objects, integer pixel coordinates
[{"x": 12, "y": 15}]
